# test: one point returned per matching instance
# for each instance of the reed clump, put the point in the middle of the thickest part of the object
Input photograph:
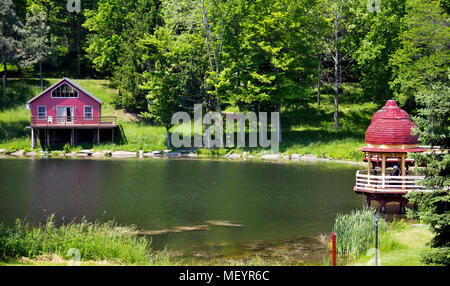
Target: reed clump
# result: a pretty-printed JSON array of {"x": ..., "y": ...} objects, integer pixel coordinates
[
  {"x": 94, "y": 241},
  {"x": 355, "y": 233}
]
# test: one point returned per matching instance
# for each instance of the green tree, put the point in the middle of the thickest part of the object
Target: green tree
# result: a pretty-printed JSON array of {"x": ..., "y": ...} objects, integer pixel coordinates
[
  {"x": 37, "y": 46},
  {"x": 374, "y": 42},
  {"x": 339, "y": 15},
  {"x": 175, "y": 63},
  {"x": 268, "y": 53},
  {"x": 128, "y": 74},
  {"x": 424, "y": 56},
  {"x": 67, "y": 34},
  {"x": 115, "y": 29},
  {"x": 106, "y": 25},
  {"x": 11, "y": 30},
  {"x": 433, "y": 127}
]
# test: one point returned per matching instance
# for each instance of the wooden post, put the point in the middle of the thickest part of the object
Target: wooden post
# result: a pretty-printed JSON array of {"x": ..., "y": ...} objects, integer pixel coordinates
[
  {"x": 369, "y": 168},
  {"x": 72, "y": 134},
  {"x": 112, "y": 136},
  {"x": 98, "y": 136},
  {"x": 48, "y": 136},
  {"x": 33, "y": 142},
  {"x": 403, "y": 168},
  {"x": 333, "y": 243},
  {"x": 383, "y": 168}
]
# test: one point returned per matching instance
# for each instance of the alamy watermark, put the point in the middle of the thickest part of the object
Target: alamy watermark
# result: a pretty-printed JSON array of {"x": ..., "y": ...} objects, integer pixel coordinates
[
  {"x": 373, "y": 6},
  {"x": 375, "y": 257},
  {"x": 73, "y": 6},
  {"x": 75, "y": 255},
  {"x": 214, "y": 123}
]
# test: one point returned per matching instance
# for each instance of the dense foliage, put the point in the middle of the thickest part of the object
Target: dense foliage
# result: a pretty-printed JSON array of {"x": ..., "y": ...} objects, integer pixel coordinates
[
  {"x": 164, "y": 55},
  {"x": 424, "y": 55},
  {"x": 433, "y": 208}
]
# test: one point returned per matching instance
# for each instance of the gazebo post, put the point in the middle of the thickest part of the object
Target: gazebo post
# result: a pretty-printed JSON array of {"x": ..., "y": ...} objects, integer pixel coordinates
[
  {"x": 403, "y": 168},
  {"x": 383, "y": 168},
  {"x": 369, "y": 167}
]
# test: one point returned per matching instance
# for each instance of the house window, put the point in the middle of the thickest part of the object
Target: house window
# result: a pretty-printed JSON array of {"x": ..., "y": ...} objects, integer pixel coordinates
[
  {"x": 88, "y": 112},
  {"x": 64, "y": 90},
  {"x": 42, "y": 112}
]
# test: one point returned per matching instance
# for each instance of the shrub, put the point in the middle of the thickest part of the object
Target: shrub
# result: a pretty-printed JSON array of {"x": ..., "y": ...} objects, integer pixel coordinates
[
  {"x": 437, "y": 256},
  {"x": 66, "y": 148}
]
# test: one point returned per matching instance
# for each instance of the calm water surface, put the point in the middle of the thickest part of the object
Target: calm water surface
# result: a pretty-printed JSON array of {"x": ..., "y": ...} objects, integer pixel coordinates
[{"x": 275, "y": 203}]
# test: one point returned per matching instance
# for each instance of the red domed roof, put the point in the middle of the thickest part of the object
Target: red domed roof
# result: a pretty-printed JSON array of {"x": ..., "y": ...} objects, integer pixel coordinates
[
  {"x": 378, "y": 114},
  {"x": 391, "y": 126}
]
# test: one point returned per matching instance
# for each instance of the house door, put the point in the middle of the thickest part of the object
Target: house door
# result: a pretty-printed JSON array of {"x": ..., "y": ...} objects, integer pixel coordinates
[{"x": 64, "y": 114}]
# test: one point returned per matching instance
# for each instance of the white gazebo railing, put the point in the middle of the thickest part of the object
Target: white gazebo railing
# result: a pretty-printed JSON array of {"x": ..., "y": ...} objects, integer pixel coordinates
[{"x": 387, "y": 184}]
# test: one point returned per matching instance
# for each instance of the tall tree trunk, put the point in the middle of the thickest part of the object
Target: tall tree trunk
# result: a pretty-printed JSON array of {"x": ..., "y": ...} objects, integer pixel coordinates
[
  {"x": 78, "y": 65},
  {"x": 279, "y": 123},
  {"x": 4, "y": 82},
  {"x": 210, "y": 46},
  {"x": 40, "y": 71},
  {"x": 241, "y": 124},
  {"x": 219, "y": 109},
  {"x": 336, "y": 75},
  {"x": 77, "y": 41},
  {"x": 168, "y": 137},
  {"x": 318, "y": 80}
]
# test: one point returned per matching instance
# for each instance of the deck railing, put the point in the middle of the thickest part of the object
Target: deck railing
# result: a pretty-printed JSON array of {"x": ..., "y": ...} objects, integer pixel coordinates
[
  {"x": 49, "y": 121},
  {"x": 379, "y": 183}
]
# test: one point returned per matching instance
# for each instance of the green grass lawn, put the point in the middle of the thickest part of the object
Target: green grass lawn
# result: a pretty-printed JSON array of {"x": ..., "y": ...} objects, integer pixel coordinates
[
  {"x": 413, "y": 241},
  {"x": 306, "y": 128}
]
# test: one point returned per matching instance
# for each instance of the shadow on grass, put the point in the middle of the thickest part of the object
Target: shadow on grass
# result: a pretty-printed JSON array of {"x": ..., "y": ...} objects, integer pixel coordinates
[
  {"x": 306, "y": 137},
  {"x": 14, "y": 129},
  {"x": 20, "y": 90}
]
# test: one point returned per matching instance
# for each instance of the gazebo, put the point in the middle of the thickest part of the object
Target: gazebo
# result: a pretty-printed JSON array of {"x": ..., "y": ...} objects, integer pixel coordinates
[{"x": 389, "y": 140}]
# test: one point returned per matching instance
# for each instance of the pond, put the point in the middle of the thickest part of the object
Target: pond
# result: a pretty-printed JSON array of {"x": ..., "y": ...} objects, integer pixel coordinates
[{"x": 197, "y": 208}]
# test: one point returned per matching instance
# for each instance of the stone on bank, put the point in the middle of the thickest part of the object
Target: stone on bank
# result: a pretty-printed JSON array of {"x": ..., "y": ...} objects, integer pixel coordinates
[{"x": 123, "y": 154}]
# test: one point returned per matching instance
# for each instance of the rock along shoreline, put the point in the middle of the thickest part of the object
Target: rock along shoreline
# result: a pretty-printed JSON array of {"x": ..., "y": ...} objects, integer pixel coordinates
[{"x": 158, "y": 154}]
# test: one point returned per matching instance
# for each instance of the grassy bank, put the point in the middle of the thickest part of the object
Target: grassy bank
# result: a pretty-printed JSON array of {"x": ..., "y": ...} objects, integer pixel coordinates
[
  {"x": 306, "y": 128},
  {"x": 400, "y": 243},
  {"x": 93, "y": 241},
  {"x": 94, "y": 244},
  {"x": 412, "y": 240}
]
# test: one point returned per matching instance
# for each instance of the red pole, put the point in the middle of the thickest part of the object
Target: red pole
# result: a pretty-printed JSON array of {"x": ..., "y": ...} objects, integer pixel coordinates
[{"x": 333, "y": 245}]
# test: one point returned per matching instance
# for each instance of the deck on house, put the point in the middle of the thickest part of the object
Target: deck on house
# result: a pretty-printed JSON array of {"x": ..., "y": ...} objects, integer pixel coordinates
[{"x": 73, "y": 122}]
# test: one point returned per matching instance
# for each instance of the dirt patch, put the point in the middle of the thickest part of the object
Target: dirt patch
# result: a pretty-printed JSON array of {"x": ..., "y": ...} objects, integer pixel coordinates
[{"x": 45, "y": 258}]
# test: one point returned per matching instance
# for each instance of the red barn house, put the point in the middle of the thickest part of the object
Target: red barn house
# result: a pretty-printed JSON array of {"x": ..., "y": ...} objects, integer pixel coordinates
[{"x": 67, "y": 113}]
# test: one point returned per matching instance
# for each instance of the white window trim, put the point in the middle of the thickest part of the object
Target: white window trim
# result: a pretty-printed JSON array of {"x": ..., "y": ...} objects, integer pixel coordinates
[
  {"x": 51, "y": 92},
  {"x": 84, "y": 112},
  {"x": 42, "y": 117}
]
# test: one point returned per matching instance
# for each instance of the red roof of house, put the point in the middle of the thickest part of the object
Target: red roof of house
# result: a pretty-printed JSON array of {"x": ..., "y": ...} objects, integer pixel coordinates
[{"x": 391, "y": 126}]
